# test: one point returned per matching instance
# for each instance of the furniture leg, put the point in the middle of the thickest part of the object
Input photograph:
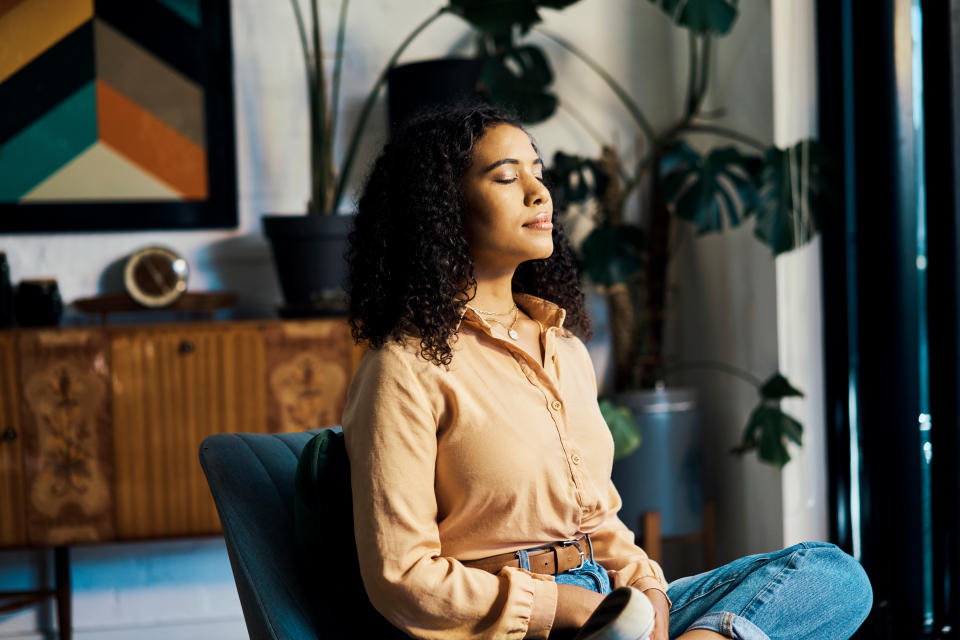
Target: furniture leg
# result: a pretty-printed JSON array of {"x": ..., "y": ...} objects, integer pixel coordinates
[
  {"x": 61, "y": 568},
  {"x": 652, "y": 541}
]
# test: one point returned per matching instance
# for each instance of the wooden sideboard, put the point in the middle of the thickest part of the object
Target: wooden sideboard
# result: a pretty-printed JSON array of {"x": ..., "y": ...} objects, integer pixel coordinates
[{"x": 101, "y": 426}]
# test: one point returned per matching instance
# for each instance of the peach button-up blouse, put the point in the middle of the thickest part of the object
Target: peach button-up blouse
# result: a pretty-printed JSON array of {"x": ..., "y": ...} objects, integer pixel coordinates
[{"x": 493, "y": 454}]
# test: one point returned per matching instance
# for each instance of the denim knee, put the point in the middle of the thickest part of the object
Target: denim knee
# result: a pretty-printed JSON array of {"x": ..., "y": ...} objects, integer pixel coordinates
[{"x": 847, "y": 577}]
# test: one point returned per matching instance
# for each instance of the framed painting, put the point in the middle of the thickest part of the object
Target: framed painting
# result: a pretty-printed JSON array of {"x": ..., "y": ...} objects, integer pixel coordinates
[{"x": 116, "y": 115}]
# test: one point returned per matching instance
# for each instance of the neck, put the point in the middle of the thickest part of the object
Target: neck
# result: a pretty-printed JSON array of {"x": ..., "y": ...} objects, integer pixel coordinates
[{"x": 494, "y": 291}]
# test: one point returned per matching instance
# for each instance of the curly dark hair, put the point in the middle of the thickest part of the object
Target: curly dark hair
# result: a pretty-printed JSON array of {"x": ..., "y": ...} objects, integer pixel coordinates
[{"x": 410, "y": 271}]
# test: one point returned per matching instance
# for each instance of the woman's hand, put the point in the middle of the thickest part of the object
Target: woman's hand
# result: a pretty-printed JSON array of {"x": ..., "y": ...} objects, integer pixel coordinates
[
  {"x": 661, "y": 605},
  {"x": 574, "y": 607}
]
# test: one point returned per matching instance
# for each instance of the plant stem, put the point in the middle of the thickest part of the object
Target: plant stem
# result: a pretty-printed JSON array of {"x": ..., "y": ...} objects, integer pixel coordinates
[
  {"x": 584, "y": 122},
  {"x": 723, "y": 131},
  {"x": 302, "y": 31},
  {"x": 691, "y": 73},
  {"x": 368, "y": 104},
  {"x": 321, "y": 141},
  {"x": 704, "y": 73},
  {"x": 617, "y": 89},
  {"x": 715, "y": 366},
  {"x": 338, "y": 65}
]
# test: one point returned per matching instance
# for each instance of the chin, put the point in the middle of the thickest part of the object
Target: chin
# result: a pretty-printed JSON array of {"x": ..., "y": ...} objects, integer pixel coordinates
[{"x": 542, "y": 253}]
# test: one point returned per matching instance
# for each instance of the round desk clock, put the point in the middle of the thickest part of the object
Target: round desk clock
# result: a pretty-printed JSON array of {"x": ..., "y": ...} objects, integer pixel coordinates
[{"x": 155, "y": 276}]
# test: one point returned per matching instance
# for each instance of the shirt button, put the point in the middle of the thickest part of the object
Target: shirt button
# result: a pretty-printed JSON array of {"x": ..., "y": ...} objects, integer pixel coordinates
[
  {"x": 556, "y": 405},
  {"x": 576, "y": 458}
]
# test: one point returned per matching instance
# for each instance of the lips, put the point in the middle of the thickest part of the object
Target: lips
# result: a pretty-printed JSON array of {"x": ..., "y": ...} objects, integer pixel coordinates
[{"x": 540, "y": 223}]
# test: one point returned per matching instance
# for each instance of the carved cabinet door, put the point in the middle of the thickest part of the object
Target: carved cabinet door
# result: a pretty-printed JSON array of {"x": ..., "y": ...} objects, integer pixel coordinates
[
  {"x": 172, "y": 387},
  {"x": 67, "y": 439},
  {"x": 309, "y": 367}
]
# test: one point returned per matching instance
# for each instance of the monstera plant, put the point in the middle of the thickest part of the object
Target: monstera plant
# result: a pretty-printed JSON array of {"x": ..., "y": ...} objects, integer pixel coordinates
[{"x": 713, "y": 190}]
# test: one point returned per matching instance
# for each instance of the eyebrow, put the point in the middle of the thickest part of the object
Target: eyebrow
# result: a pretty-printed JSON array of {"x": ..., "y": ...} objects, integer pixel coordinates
[{"x": 509, "y": 161}]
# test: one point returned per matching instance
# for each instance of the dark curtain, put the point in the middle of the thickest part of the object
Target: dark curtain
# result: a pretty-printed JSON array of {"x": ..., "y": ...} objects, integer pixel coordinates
[{"x": 890, "y": 295}]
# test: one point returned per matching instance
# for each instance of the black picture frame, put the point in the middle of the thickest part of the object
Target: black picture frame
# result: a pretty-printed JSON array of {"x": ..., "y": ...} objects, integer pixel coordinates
[{"x": 208, "y": 61}]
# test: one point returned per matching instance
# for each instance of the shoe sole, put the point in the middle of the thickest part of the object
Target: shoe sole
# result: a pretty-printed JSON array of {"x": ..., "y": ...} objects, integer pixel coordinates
[{"x": 625, "y": 614}]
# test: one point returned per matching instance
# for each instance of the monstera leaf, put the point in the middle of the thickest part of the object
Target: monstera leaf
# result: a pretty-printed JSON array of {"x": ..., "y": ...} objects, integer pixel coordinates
[
  {"x": 790, "y": 186},
  {"x": 701, "y": 16},
  {"x": 518, "y": 78},
  {"x": 575, "y": 179},
  {"x": 498, "y": 17},
  {"x": 703, "y": 189},
  {"x": 623, "y": 427},
  {"x": 767, "y": 431},
  {"x": 613, "y": 254}
]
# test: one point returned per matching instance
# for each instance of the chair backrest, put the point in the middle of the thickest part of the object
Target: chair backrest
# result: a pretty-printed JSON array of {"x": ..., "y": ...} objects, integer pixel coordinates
[{"x": 251, "y": 477}]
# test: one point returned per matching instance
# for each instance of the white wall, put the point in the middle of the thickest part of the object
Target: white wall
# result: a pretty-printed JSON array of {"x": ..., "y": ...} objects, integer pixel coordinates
[{"x": 723, "y": 286}]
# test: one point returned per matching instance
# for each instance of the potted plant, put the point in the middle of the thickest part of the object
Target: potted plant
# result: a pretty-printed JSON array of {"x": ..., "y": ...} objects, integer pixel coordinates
[
  {"x": 713, "y": 191},
  {"x": 308, "y": 250}
]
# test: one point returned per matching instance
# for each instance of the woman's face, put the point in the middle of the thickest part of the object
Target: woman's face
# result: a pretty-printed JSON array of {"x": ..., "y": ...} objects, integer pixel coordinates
[{"x": 508, "y": 209}]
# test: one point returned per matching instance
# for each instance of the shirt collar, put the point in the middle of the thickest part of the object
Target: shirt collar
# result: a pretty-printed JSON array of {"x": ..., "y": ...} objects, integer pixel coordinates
[{"x": 543, "y": 311}]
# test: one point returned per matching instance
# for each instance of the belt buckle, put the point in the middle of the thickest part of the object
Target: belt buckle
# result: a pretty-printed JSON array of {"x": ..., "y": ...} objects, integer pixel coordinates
[{"x": 583, "y": 557}]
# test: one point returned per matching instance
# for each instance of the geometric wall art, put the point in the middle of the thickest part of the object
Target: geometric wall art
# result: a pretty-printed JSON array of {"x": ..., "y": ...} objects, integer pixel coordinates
[{"x": 116, "y": 115}]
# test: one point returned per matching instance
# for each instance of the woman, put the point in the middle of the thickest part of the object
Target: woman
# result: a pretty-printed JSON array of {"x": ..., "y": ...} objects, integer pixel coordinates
[{"x": 480, "y": 462}]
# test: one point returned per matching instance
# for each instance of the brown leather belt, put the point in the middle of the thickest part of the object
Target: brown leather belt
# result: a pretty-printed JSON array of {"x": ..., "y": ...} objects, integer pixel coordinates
[{"x": 553, "y": 559}]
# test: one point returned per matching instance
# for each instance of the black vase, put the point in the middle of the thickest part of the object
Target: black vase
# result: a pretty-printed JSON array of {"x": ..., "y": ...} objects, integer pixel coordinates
[
  {"x": 38, "y": 303},
  {"x": 309, "y": 254},
  {"x": 418, "y": 86}
]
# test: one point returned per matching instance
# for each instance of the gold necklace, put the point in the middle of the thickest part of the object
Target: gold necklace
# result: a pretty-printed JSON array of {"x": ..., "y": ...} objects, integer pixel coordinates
[
  {"x": 511, "y": 330},
  {"x": 494, "y": 313}
]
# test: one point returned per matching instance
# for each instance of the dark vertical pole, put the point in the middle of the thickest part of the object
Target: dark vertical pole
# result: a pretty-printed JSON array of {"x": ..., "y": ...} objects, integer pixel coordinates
[
  {"x": 61, "y": 569},
  {"x": 941, "y": 55},
  {"x": 874, "y": 314}
]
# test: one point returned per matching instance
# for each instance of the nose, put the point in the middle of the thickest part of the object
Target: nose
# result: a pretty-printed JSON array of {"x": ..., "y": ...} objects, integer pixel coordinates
[{"x": 536, "y": 193}]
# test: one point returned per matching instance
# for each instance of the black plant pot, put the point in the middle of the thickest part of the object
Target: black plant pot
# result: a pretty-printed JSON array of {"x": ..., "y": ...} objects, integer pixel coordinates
[
  {"x": 308, "y": 252},
  {"x": 415, "y": 87}
]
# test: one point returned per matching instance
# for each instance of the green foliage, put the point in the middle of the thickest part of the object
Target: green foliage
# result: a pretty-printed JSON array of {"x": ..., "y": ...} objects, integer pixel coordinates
[
  {"x": 575, "y": 179},
  {"x": 704, "y": 190},
  {"x": 789, "y": 186},
  {"x": 513, "y": 76},
  {"x": 623, "y": 427},
  {"x": 778, "y": 387},
  {"x": 701, "y": 16},
  {"x": 769, "y": 428},
  {"x": 497, "y": 18},
  {"x": 612, "y": 254},
  {"x": 767, "y": 431},
  {"x": 519, "y": 78}
]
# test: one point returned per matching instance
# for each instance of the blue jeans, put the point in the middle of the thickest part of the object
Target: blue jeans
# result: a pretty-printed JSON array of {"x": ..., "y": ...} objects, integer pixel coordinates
[{"x": 809, "y": 590}]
